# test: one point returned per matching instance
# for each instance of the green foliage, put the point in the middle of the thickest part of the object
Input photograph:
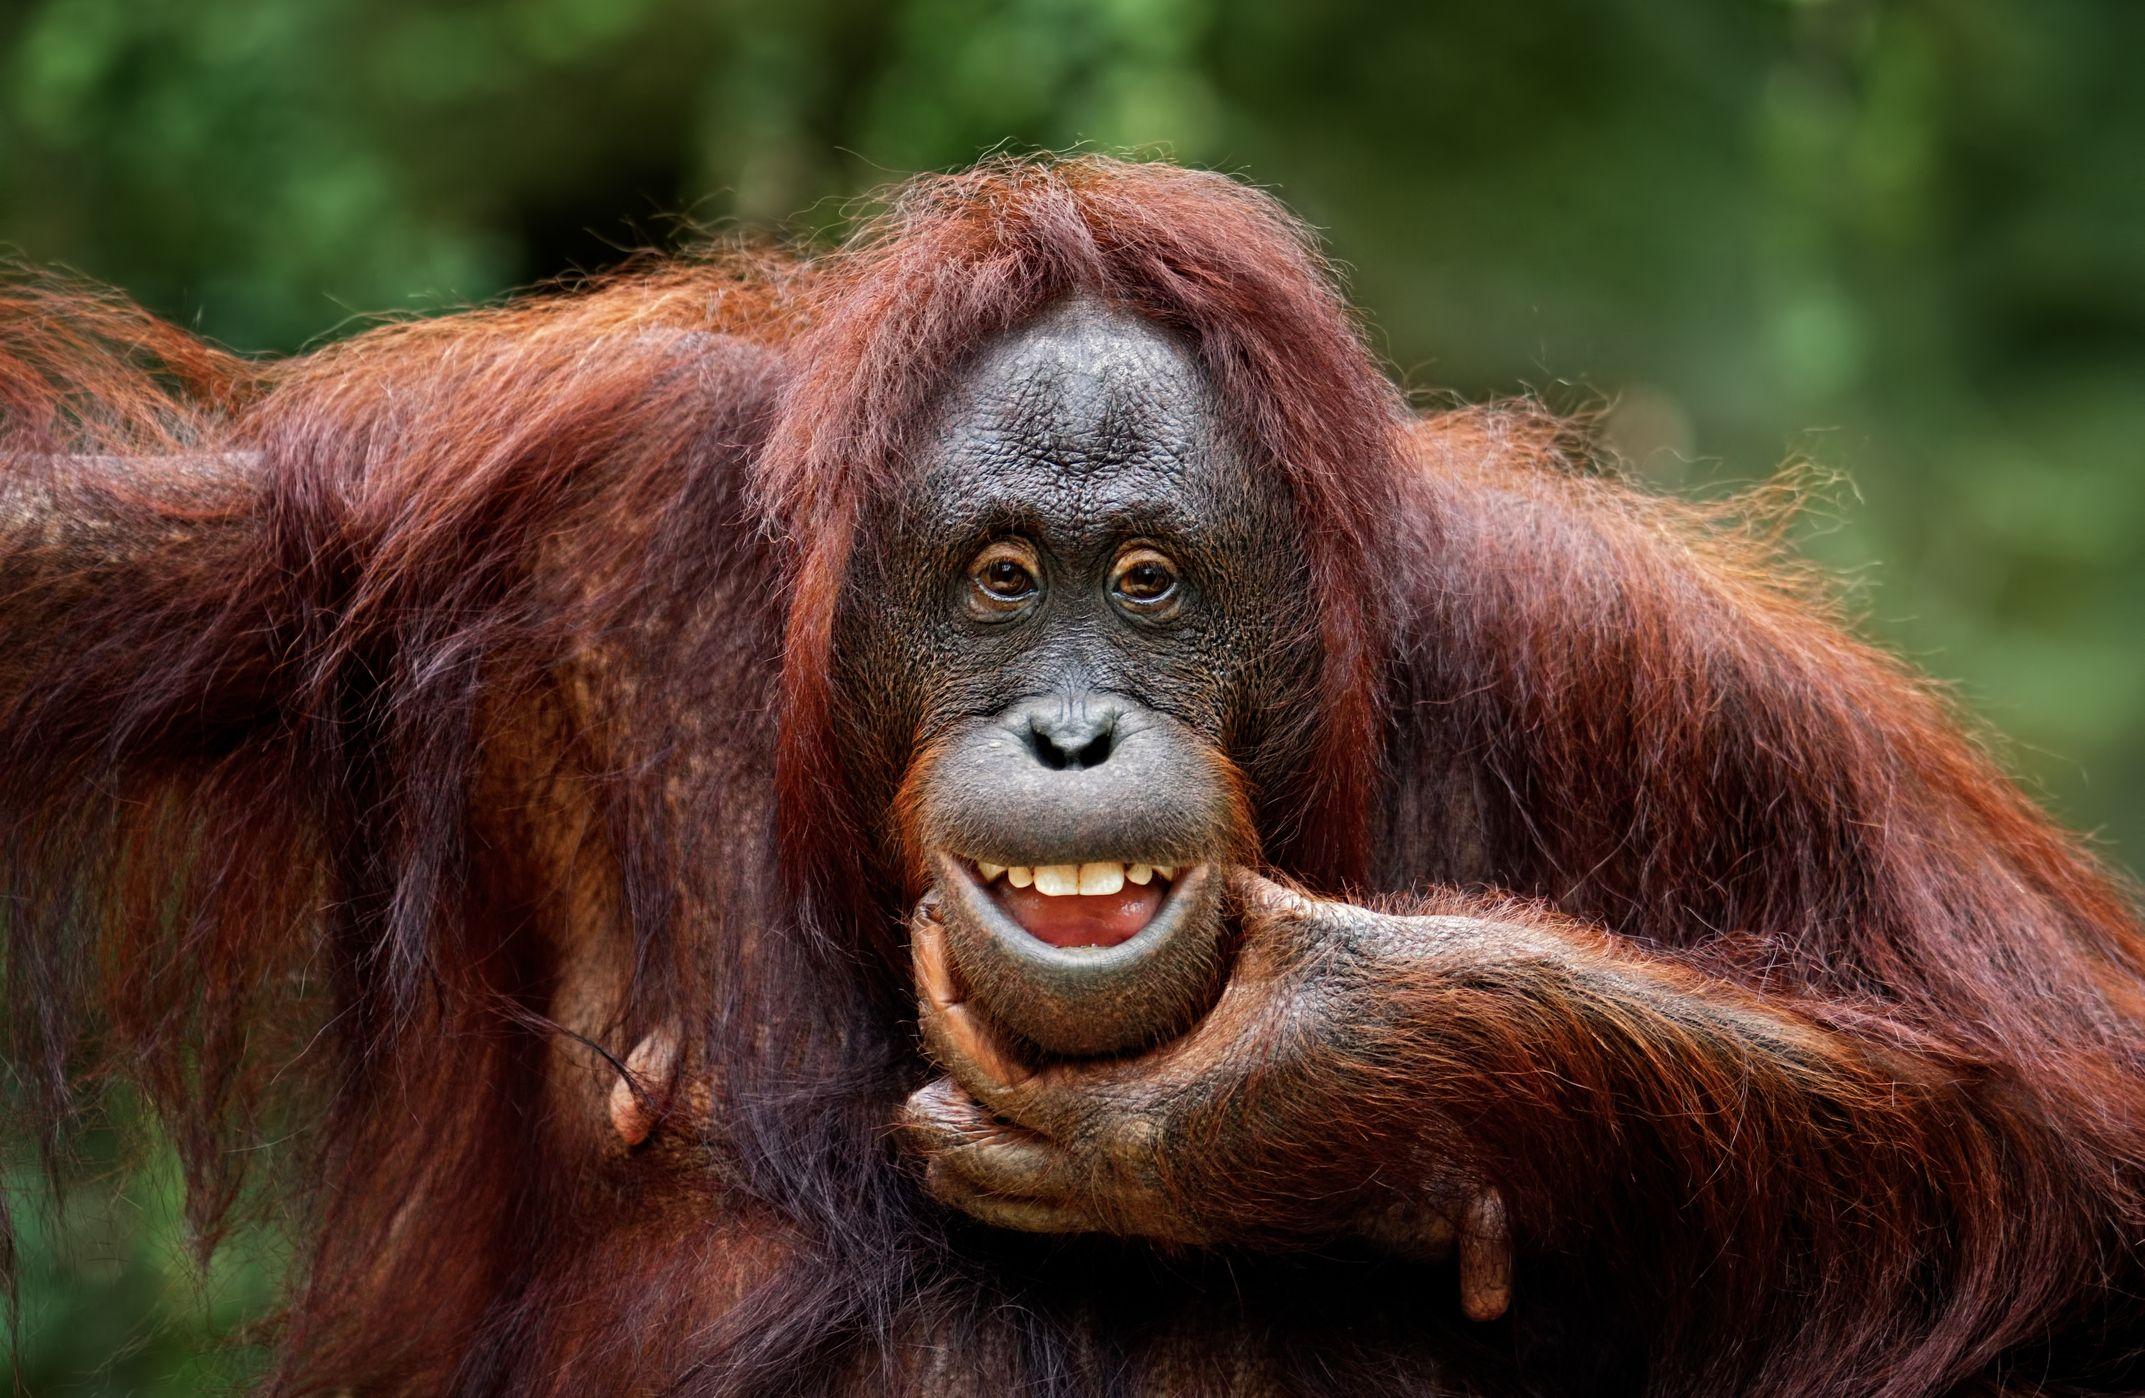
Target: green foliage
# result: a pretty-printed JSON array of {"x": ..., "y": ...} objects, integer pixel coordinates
[
  {"x": 1905, "y": 240},
  {"x": 115, "y": 1297}
]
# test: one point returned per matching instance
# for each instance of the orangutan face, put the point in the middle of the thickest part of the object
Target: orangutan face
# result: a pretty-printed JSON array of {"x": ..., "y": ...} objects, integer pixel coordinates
[{"x": 1085, "y": 641}]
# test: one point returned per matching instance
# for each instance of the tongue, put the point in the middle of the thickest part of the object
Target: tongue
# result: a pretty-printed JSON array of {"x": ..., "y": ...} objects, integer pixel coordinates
[{"x": 1079, "y": 919}]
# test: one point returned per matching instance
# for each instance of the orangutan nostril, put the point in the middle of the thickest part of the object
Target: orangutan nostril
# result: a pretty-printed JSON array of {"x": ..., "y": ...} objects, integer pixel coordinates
[{"x": 1079, "y": 735}]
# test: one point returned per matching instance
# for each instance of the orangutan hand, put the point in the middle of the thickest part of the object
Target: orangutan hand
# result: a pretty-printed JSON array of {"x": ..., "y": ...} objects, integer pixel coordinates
[{"x": 1229, "y": 1134}]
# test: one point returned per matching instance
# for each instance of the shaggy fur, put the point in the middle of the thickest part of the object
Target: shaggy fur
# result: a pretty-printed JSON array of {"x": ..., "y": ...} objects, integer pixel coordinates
[{"x": 397, "y": 734}]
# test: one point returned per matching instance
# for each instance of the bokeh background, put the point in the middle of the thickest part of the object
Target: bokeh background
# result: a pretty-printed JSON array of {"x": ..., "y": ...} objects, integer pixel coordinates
[{"x": 1902, "y": 241}]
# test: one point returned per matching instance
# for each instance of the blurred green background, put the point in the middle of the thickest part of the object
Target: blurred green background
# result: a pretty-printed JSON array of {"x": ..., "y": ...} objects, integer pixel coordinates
[{"x": 1905, "y": 241}]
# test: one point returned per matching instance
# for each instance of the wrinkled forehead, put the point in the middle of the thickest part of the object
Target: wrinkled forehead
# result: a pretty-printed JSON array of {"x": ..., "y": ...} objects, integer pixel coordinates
[{"x": 1084, "y": 411}]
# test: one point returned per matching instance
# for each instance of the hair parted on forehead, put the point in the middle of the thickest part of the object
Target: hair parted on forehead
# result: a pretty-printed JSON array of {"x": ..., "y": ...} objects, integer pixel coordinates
[{"x": 958, "y": 259}]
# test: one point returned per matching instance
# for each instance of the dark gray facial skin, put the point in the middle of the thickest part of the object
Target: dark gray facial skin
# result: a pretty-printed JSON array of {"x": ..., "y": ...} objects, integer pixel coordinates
[{"x": 1072, "y": 724}]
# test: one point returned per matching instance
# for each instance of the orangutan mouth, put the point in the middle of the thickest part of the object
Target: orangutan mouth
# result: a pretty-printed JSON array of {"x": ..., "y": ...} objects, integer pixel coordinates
[
  {"x": 1098, "y": 903},
  {"x": 1082, "y": 973}
]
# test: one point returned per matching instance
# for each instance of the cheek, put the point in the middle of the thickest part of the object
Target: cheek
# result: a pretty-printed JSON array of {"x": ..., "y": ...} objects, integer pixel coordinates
[
  {"x": 911, "y": 820},
  {"x": 1268, "y": 695},
  {"x": 1227, "y": 676},
  {"x": 895, "y": 660},
  {"x": 879, "y": 710},
  {"x": 1274, "y": 636}
]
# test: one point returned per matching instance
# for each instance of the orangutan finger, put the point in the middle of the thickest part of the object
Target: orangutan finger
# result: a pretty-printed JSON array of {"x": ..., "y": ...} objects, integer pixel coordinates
[
  {"x": 962, "y": 1041},
  {"x": 964, "y": 1045},
  {"x": 991, "y": 1156},
  {"x": 1485, "y": 1258},
  {"x": 932, "y": 968},
  {"x": 1277, "y": 919},
  {"x": 1253, "y": 892},
  {"x": 1003, "y": 1211},
  {"x": 641, "y": 1094},
  {"x": 959, "y": 1041},
  {"x": 1014, "y": 1162},
  {"x": 938, "y": 1117},
  {"x": 941, "y": 1118}
]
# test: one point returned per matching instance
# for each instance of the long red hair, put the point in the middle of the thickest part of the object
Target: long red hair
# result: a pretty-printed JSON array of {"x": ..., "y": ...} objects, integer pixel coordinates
[
  {"x": 960, "y": 258},
  {"x": 284, "y": 625}
]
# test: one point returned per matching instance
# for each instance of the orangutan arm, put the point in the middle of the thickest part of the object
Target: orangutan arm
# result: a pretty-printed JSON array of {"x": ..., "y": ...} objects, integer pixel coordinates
[
  {"x": 1525, "y": 1087},
  {"x": 1479, "y": 1044},
  {"x": 115, "y": 568}
]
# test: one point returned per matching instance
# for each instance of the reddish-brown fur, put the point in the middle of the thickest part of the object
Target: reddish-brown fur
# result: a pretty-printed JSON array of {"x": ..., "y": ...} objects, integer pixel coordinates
[{"x": 393, "y": 745}]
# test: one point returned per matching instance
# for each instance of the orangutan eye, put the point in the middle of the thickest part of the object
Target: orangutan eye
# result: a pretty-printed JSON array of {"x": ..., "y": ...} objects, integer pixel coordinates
[
  {"x": 1144, "y": 582},
  {"x": 1003, "y": 579}
]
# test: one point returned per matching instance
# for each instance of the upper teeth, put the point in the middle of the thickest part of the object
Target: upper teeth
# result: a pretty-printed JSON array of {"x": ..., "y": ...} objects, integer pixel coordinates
[{"x": 1098, "y": 876}]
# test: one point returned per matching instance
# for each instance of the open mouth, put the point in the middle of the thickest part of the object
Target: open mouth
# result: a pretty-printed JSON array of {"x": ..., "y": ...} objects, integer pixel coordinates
[
  {"x": 1100, "y": 903},
  {"x": 1098, "y": 957}
]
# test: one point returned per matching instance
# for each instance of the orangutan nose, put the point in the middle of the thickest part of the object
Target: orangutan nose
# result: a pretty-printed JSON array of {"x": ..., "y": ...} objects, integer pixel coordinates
[{"x": 1070, "y": 732}]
